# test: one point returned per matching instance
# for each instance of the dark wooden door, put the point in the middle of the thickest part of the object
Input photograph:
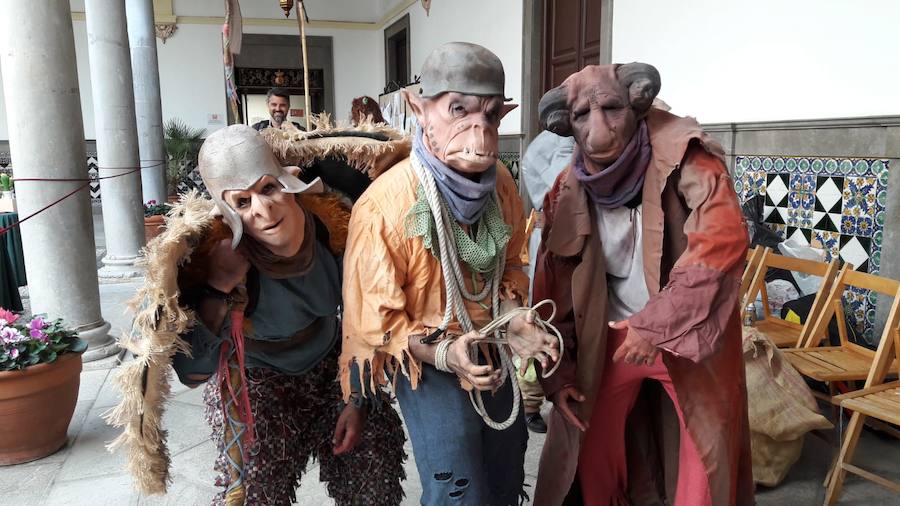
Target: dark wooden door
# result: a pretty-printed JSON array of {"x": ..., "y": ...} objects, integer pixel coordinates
[{"x": 570, "y": 39}]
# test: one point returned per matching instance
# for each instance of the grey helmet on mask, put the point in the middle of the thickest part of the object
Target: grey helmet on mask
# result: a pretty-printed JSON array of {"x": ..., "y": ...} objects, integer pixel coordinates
[
  {"x": 235, "y": 158},
  {"x": 464, "y": 68}
]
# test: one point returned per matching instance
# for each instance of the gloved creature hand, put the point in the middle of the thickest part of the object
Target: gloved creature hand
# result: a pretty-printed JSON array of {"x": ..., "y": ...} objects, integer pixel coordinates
[
  {"x": 482, "y": 377},
  {"x": 527, "y": 340},
  {"x": 635, "y": 349},
  {"x": 561, "y": 400}
]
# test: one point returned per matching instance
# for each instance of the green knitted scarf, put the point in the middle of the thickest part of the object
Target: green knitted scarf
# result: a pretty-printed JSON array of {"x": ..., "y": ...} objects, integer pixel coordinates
[{"x": 480, "y": 254}]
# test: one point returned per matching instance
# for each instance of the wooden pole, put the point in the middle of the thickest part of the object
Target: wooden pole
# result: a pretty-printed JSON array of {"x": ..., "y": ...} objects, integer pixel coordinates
[{"x": 301, "y": 20}]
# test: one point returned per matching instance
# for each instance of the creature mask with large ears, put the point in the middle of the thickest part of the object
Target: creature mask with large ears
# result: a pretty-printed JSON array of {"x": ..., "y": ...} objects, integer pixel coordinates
[{"x": 461, "y": 105}]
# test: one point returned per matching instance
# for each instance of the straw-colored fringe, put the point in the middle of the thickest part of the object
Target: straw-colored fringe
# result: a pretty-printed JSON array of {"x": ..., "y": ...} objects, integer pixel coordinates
[
  {"x": 159, "y": 320},
  {"x": 370, "y": 156},
  {"x": 154, "y": 339}
]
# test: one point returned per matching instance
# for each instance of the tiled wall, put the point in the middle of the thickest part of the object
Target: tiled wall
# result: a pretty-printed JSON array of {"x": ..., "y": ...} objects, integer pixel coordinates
[
  {"x": 838, "y": 202},
  {"x": 7, "y": 168}
]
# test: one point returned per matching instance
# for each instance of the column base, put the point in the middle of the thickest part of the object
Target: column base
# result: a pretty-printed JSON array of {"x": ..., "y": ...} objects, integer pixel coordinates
[
  {"x": 115, "y": 268},
  {"x": 100, "y": 343}
]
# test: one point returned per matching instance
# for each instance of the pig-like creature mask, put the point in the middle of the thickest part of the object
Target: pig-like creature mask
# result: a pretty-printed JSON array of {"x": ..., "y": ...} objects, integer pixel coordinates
[
  {"x": 461, "y": 105},
  {"x": 600, "y": 106}
]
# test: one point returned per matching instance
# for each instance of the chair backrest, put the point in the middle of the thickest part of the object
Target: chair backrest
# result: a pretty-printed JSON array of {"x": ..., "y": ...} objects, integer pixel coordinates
[
  {"x": 833, "y": 306},
  {"x": 888, "y": 350},
  {"x": 753, "y": 257},
  {"x": 771, "y": 260}
]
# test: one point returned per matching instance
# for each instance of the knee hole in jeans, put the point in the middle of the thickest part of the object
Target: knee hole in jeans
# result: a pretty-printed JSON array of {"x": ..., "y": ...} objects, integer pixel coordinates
[{"x": 443, "y": 476}]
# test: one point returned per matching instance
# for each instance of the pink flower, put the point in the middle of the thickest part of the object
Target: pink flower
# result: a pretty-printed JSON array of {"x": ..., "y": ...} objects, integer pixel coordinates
[
  {"x": 8, "y": 316},
  {"x": 36, "y": 329},
  {"x": 14, "y": 353},
  {"x": 10, "y": 335}
]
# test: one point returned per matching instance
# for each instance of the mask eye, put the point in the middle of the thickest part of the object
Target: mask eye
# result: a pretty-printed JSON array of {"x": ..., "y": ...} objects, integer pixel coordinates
[
  {"x": 457, "y": 110},
  {"x": 269, "y": 189},
  {"x": 243, "y": 202},
  {"x": 581, "y": 113}
]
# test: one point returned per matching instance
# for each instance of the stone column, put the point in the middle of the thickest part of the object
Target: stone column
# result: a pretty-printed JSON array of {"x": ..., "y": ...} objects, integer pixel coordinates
[
  {"x": 37, "y": 53},
  {"x": 117, "y": 145},
  {"x": 147, "y": 103}
]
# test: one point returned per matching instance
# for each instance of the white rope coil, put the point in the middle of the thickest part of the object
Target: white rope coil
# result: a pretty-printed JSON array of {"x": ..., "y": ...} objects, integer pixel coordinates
[
  {"x": 440, "y": 355},
  {"x": 456, "y": 290}
]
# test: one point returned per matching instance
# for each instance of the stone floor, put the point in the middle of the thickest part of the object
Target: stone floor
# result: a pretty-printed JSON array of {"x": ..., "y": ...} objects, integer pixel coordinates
[{"x": 84, "y": 473}]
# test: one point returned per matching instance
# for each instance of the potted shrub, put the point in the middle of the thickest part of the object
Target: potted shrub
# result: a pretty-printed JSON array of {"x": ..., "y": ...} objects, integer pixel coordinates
[
  {"x": 7, "y": 195},
  {"x": 155, "y": 218},
  {"x": 40, "y": 368},
  {"x": 182, "y": 146}
]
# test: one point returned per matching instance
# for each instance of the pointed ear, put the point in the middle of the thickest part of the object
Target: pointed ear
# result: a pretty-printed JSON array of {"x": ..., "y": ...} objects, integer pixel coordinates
[
  {"x": 416, "y": 103},
  {"x": 506, "y": 109}
]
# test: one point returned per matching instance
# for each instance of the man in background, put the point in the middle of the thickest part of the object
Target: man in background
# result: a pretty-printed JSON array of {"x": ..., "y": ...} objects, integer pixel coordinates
[{"x": 278, "y": 101}]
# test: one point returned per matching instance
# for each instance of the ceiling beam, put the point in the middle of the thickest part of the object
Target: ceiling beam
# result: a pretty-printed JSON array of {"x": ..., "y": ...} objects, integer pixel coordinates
[
  {"x": 396, "y": 11},
  {"x": 162, "y": 11},
  {"x": 165, "y": 15}
]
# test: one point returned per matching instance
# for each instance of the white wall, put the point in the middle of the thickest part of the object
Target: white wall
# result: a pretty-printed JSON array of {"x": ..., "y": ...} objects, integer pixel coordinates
[
  {"x": 358, "y": 66},
  {"x": 494, "y": 24},
  {"x": 191, "y": 76},
  {"x": 734, "y": 60}
]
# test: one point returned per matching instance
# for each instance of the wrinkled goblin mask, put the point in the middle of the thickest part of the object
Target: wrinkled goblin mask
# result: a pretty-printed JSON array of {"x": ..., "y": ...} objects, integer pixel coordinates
[
  {"x": 460, "y": 105},
  {"x": 600, "y": 107}
]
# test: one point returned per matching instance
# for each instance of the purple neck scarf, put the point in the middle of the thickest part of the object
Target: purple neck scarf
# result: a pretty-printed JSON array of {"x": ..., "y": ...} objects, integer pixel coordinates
[
  {"x": 617, "y": 184},
  {"x": 465, "y": 198}
]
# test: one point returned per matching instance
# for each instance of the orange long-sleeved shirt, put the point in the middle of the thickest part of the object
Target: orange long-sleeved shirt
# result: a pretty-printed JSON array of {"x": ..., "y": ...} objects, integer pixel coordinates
[{"x": 393, "y": 287}]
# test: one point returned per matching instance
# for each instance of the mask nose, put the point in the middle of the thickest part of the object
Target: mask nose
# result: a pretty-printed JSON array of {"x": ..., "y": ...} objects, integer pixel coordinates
[
  {"x": 601, "y": 134},
  {"x": 480, "y": 136},
  {"x": 261, "y": 206}
]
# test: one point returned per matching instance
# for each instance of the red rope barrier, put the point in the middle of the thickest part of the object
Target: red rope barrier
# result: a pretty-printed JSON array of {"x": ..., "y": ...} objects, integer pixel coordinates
[{"x": 87, "y": 182}]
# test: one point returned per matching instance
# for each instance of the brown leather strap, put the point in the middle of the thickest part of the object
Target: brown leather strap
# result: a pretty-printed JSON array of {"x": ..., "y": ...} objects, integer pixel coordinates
[{"x": 260, "y": 346}]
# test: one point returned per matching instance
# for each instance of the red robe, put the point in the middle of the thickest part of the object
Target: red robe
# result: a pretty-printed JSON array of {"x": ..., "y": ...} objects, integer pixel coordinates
[{"x": 694, "y": 245}]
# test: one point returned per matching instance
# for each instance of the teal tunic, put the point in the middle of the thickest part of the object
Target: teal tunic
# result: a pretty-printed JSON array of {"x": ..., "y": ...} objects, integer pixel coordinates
[{"x": 284, "y": 308}]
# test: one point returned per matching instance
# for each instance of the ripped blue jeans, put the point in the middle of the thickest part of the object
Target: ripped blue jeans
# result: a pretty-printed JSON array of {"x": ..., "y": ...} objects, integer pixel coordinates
[{"x": 462, "y": 461}]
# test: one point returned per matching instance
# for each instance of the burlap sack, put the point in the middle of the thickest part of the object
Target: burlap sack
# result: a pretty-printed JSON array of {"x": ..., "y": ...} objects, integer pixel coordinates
[{"x": 781, "y": 408}]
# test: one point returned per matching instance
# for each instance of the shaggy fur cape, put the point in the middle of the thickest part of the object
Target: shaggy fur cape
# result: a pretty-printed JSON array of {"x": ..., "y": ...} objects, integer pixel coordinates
[{"x": 160, "y": 320}]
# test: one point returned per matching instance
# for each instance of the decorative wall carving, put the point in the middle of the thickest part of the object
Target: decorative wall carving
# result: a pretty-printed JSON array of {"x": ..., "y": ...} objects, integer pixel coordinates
[
  {"x": 284, "y": 78},
  {"x": 165, "y": 30}
]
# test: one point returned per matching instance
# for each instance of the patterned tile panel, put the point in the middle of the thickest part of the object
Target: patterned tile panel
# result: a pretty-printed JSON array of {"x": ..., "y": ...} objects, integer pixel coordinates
[{"x": 838, "y": 203}]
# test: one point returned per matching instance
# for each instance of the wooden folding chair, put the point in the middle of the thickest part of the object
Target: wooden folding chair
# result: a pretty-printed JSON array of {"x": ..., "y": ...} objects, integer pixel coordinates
[
  {"x": 783, "y": 333},
  {"x": 878, "y": 400},
  {"x": 753, "y": 257},
  {"x": 849, "y": 361}
]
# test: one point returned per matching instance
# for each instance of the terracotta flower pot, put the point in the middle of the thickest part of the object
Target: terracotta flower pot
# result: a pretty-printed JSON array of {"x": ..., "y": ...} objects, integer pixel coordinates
[
  {"x": 154, "y": 225},
  {"x": 36, "y": 406}
]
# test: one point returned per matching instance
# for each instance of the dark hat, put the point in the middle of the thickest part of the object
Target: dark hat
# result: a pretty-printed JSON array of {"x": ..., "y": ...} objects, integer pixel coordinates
[{"x": 462, "y": 67}]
